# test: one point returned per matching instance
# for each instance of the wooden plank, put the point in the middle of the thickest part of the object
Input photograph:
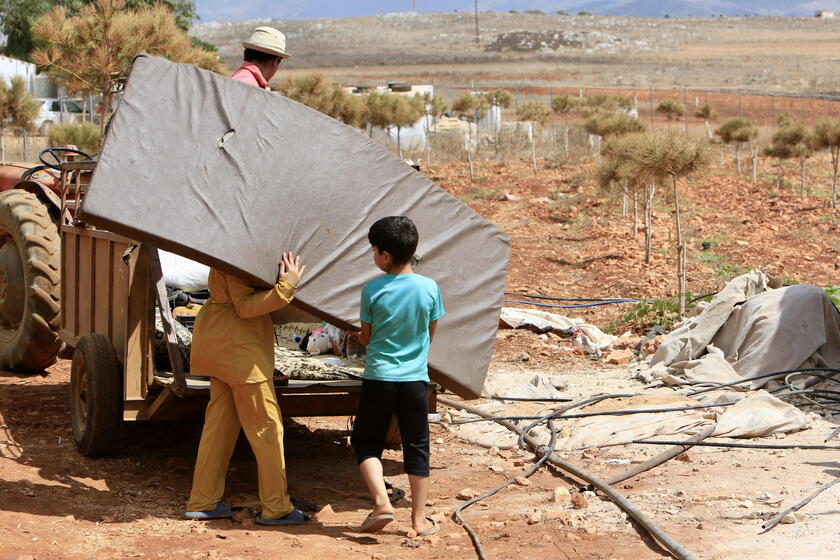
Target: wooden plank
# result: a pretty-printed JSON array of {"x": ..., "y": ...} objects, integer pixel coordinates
[
  {"x": 97, "y": 234},
  {"x": 103, "y": 285},
  {"x": 325, "y": 404},
  {"x": 119, "y": 298},
  {"x": 84, "y": 285},
  {"x": 70, "y": 282},
  {"x": 139, "y": 364}
]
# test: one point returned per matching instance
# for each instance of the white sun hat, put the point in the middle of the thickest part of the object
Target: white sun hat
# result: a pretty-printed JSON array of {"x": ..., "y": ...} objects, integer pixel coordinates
[{"x": 267, "y": 40}]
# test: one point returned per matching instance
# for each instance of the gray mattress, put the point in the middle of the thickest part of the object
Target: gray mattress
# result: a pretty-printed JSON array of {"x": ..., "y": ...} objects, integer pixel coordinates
[{"x": 288, "y": 178}]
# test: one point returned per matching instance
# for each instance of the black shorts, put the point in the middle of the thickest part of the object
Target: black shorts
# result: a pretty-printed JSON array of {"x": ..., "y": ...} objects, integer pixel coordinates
[{"x": 409, "y": 402}]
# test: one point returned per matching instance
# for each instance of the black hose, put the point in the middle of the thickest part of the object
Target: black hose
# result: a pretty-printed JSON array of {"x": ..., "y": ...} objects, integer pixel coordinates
[
  {"x": 621, "y": 501},
  {"x": 588, "y": 414},
  {"x": 778, "y": 518},
  {"x": 756, "y": 377},
  {"x": 552, "y": 298},
  {"x": 736, "y": 445},
  {"x": 473, "y": 535},
  {"x": 662, "y": 457}
]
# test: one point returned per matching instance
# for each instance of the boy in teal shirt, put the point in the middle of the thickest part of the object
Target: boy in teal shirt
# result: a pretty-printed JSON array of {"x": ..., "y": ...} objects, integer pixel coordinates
[{"x": 399, "y": 313}]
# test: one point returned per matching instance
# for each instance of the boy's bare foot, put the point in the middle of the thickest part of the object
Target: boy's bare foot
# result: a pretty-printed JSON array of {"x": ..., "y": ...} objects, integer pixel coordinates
[
  {"x": 424, "y": 528},
  {"x": 382, "y": 510}
]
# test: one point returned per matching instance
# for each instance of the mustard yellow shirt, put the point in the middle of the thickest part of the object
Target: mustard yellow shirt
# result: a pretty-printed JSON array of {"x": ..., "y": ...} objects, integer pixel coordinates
[{"x": 233, "y": 337}]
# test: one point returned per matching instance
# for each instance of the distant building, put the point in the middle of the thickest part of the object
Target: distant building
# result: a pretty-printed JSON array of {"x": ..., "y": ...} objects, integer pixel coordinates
[
  {"x": 824, "y": 14},
  {"x": 13, "y": 68}
]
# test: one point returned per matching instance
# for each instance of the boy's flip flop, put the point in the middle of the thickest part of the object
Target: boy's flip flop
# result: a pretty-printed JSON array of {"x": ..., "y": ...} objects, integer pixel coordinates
[
  {"x": 372, "y": 523},
  {"x": 221, "y": 511},
  {"x": 295, "y": 517},
  {"x": 431, "y": 530}
]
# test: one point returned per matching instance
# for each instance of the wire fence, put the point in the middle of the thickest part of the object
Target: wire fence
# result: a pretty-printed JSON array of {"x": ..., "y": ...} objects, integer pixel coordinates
[{"x": 762, "y": 108}]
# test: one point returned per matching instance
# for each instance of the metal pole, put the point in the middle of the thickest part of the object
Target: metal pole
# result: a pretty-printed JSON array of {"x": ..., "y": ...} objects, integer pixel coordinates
[
  {"x": 477, "y": 36},
  {"x": 650, "y": 97}
]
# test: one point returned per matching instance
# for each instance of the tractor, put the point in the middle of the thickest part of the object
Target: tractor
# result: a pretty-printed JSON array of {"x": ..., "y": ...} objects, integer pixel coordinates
[{"x": 30, "y": 303}]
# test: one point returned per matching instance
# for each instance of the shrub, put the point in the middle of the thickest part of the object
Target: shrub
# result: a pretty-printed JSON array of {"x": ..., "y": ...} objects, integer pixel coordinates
[{"x": 84, "y": 135}]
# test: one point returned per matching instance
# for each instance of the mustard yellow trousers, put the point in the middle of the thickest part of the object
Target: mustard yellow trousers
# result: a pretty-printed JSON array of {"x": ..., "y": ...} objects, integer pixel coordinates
[{"x": 252, "y": 407}]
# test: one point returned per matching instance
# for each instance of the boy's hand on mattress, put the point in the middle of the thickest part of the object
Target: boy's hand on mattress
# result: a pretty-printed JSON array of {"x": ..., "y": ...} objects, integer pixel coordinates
[{"x": 290, "y": 268}]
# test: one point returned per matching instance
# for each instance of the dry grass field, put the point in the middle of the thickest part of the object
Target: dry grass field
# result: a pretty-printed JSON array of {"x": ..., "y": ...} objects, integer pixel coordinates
[{"x": 760, "y": 54}]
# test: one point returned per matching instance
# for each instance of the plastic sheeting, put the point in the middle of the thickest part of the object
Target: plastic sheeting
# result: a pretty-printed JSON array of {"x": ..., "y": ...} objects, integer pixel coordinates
[
  {"x": 230, "y": 175},
  {"x": 748, "y": 330},
  {"x": 759, "y": 414}
]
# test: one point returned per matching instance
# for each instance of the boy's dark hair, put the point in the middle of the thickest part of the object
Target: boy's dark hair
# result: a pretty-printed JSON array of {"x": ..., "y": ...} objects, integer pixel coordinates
[
  {"x": 251, "y": 55},
  {"x": 397, "y": 235}
]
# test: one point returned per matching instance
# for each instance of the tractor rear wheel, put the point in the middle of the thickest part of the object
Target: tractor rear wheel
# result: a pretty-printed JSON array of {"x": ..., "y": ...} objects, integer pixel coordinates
[{"x": 29, "y": 283}]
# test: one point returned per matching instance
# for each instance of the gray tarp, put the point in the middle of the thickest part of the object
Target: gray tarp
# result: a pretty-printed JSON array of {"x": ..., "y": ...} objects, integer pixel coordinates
[
  {"x": 750, "y": 330},
  {"x": 231, "y": 175}
]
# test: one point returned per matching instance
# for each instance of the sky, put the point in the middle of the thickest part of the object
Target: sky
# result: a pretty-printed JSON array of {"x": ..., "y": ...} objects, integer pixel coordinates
[{"x": 225, "y": 10}]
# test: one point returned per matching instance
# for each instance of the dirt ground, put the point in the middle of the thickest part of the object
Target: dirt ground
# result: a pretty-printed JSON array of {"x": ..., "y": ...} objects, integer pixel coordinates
[{"x": 569, "y": 239}]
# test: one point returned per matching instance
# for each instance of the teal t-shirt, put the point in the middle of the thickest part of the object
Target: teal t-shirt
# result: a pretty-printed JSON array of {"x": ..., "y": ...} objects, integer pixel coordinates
[{"x": 399, "y": 308}]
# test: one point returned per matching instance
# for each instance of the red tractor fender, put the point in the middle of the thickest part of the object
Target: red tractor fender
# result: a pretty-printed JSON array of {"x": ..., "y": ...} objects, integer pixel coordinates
[{"x": 45, "y": 194}]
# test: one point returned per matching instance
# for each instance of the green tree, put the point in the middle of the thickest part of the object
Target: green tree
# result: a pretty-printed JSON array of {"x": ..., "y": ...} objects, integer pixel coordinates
[
  {"x": 737, "y": 131},
  {"x": 406, "y": 112},
  {"x": 500, "y": 99},
  {"x": 540, "y": 114},
  {"x": 91, "y": 53},
  {"x": 794, "y": 138},
  {"x": 613, "y": 124},
  {"x": 671, "y": 109},
  {"x": 19, "y": 16},
  {"x": 662, "y": 157},
  {"x": 536, "y": 112},
  {"x": 471, "y": 108},
  {"x": 827, "y": 137},
  {"x": 433, "y": 107},
  {"x": 563, "y": 105},
  {"x": 322, "y": 94},
  {"x": 708, "y": 113},
  {"x": 83, "y": 135},
  {"x": 17, "y": 109},
  {"x": 379, "y": 111}
]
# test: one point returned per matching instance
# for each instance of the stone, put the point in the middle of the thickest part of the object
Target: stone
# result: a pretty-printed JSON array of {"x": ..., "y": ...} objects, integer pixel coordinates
[
  {"x": 494, "y": 450},
  {"x": 579, "y": 502},
  {"x": 439, "y": 516},
  {"x": 572, "y": 537},
  {"x": 466, "y": 494},
  {"x": 561, "y": 494},
  {"x": 535, "y": 517},
  {"x": 496, "y": 468},
  {"x": 432, "y": 540},
  {"x": 555, "y": 515},
  {"x": 326, "y": 513},
  {"x": 521, "y": 481},
  {"x": 439, "y": 441},
  {"x": 378, "y": 556},
  {"x": 518, "y": 463},
  {"x": 789, "y": 519},
  {"x": 685, "y": 457},
  {"x": 619, "y": 357},
  {"x": 587, "y": 455},
  {"x": 746, "y": 504}
]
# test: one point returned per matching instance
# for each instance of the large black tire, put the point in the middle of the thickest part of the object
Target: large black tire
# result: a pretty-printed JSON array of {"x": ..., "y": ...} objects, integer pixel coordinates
[
  {"x": 95, "y": 396},
  {"x": 29, "y": 283}
]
